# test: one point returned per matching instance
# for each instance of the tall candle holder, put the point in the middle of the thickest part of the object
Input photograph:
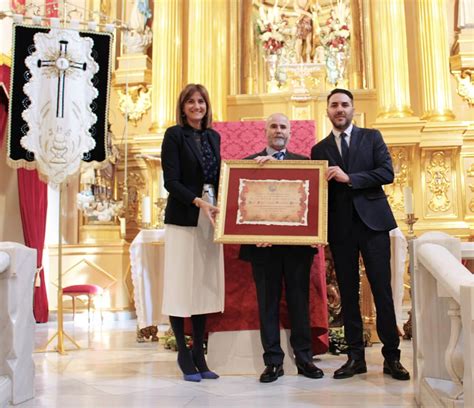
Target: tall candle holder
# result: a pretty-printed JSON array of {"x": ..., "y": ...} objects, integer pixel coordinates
[
  {"x": 160, "y": 204},
  {"x": 410, "y": 220}
]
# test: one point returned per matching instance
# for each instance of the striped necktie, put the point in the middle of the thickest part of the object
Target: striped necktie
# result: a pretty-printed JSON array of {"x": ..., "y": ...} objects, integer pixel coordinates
[{"x": 279, "y": 155}]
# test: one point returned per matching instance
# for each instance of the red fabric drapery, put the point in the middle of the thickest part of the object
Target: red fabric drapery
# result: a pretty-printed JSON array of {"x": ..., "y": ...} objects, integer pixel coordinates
[
  {"x": 4, "y": 88},
  {"x": 33, "y": 195}
]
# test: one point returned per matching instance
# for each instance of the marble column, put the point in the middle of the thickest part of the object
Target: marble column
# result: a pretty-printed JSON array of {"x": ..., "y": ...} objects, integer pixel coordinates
[
  {"x": 434, "y": 60},
  {"x": 391, "y": 59},
  {"x": 167, "y": 78},
  {"x": 206, "y": 50}
]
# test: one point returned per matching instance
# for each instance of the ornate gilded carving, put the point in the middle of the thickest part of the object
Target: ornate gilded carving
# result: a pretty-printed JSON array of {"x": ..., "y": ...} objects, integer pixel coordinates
[
  {"x": 400, "y": 167},
  {"x": 334, "y": 297},
  {"x": 135, "y": 103},
  {"x": 438, "y": 172},
  {"x": 470, "y": 173},
  {"x": 136, "y": 184},
  {"x": 465, "y": 88}
]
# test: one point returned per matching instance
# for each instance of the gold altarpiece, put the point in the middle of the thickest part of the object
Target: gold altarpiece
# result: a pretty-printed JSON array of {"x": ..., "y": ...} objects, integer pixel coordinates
[{"x": 399, "y": 71}]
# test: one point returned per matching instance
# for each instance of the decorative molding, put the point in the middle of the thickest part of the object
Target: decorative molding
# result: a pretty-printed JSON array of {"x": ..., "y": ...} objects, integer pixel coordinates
[
  {"x": 438, "y": 178},
  {"x": 135, "y": 102},
  {"x": 470, "y": 174},
  {"x": 465, "y": 85},
  {"x": 400, "y": 160}
]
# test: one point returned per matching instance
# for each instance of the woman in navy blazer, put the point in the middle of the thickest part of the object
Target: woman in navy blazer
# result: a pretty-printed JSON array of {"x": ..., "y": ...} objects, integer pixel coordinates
[{"x": 194, "y": 267}]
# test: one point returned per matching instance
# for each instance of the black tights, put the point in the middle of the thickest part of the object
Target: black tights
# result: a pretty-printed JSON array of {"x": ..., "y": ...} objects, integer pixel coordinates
[{"x": 188, "y": 362}]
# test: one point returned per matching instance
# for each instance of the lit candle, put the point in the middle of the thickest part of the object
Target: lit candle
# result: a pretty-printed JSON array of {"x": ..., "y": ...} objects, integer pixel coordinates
[
  {"x": 408, "y": 198},
  {"x": 123, "y": 227},
  {"x": 146, "y": 210}
]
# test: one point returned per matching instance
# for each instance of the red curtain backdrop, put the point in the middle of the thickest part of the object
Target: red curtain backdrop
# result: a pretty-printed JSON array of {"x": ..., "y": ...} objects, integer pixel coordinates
[
  {"x": 240, "y": 139},
  {"x": 33, "y": 195},
  {"x": 4, "y": 88}
]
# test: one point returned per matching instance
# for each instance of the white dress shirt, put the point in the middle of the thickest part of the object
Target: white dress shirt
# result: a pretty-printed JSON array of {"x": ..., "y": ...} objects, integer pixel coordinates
[{"x": 337, "y": 134}]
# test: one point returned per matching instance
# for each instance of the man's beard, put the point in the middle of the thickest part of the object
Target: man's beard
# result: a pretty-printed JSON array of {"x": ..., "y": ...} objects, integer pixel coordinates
[{"x": 344, "y": 125}]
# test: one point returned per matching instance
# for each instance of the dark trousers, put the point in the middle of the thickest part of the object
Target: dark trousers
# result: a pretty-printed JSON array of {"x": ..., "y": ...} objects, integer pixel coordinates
[
  {"x": 269, "y": 277},
  {"x": 375, "y": 249}
]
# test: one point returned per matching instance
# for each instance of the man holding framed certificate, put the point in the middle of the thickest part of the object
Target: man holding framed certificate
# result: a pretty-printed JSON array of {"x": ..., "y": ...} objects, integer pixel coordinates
[
  {"x": 360, "y": 219},
  {"x": 271, "y": 265}
]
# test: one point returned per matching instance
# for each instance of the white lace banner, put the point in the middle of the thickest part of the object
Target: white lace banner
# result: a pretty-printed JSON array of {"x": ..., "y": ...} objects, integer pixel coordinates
[{"x": 60, "y": 90}]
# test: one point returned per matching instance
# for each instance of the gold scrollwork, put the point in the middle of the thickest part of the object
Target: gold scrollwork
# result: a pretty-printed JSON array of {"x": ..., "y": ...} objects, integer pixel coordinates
[
  {"x": 465, "y": 88},
  {"x": 470, "y": 173},
  {"x": 136, "y": 102},
  {"x": 438, "y": 172},
  {"x": 400, "y": 167},
  {"x": 135, "y": 185}
]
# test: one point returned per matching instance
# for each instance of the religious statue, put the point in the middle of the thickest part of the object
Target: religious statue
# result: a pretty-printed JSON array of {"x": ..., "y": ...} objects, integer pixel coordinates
[
  {"x": 307, "y": 28},
  {"x": 138, "y": 38},
  {"x": 465, "y": 14}
]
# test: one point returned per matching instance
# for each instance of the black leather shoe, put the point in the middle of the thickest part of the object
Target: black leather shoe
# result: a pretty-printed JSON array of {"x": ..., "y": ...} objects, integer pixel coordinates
[
  {"x": 271, "y": 373},
  {"x": 309, "y": 370},
  {"x": 396, "y": 370},
  {"x": 351, "y": 368}
]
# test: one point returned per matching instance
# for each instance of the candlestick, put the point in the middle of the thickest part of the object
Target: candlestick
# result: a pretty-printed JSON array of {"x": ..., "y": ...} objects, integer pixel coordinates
[
  {"x": 123, "y": 227},
  {"x": 408, "y": 199},
  {"x": 146, "y": 211},
  {"x": 410, "y": 220}
]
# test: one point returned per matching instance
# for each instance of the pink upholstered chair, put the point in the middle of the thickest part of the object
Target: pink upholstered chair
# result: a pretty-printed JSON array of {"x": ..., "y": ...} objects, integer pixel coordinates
[{"x": 84, "y": 290}]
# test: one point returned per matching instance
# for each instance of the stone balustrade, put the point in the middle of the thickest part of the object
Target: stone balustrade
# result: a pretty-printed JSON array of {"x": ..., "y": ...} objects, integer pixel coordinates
[
  {"x": 17, "y": 272},
  {"x": 443, "y": 322}
]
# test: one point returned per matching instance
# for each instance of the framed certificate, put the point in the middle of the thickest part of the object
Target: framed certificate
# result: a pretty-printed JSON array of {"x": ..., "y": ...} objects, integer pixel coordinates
[{"x": 280, "y": 202}]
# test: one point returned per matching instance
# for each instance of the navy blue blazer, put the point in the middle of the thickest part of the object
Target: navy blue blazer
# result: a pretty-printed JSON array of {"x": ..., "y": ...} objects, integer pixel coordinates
[
  {"x": 183, "y": 175},
  {"x": 370, "y": 167},
  {"x": 252, "y": 253}
]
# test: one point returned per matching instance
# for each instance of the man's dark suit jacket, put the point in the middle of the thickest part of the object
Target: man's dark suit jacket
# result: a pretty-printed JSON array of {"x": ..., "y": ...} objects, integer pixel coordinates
[
  {"x": 370, "y": 167},
  {"x": 183, "y": 174},
  {"x": 251, "y": 253}
]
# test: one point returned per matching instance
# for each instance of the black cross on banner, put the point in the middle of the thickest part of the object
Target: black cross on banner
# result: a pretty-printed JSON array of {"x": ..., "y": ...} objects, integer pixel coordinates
[{"x": 62, "y": 64}]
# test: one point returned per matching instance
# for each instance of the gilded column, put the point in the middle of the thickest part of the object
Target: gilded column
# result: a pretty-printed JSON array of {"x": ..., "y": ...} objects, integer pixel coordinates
[
  {"x": 391, "y": 60},
  {"x": 248, "y": 47},
  {"x": 206, "y": 50},
  {"x": 434, "y": 60},
  {"x": 234, "y": 47},
  {"x": 367, "y": 49},
  {"x": 356, "y": 67},
  {"x": 167, "y": 78}
]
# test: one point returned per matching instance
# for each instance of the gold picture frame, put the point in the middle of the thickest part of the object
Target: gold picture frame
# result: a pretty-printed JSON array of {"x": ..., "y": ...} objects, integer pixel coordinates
[{"x": 282, "y": 202}]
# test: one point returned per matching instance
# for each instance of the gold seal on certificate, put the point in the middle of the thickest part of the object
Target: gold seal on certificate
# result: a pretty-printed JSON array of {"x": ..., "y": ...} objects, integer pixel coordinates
[{"x": 273, "y": 202}]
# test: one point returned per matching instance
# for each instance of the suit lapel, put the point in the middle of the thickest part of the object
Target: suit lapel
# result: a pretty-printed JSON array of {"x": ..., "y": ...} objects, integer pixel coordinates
[
  {"x": 333, "y": 151},
  {"x": 189, "y": 140},
  {"x": 354, "y": 145}
]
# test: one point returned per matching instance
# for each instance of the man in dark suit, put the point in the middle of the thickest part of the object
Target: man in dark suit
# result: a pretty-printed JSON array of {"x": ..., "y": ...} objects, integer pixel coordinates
[
  {"x": 271, "y": 265},
  {"x": 359, "y": 221}
]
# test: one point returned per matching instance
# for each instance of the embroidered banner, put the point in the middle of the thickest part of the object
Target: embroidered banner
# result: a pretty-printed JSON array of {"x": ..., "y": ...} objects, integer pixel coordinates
[{"x": 59, "y": 100}]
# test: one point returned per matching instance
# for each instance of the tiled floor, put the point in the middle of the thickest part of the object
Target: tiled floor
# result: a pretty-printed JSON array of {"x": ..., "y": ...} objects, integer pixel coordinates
[{"x": 113, "y": 370}]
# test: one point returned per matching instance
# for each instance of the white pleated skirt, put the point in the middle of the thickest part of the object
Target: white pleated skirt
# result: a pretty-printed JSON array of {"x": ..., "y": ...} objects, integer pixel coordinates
[{"x": 193, "y": 269}]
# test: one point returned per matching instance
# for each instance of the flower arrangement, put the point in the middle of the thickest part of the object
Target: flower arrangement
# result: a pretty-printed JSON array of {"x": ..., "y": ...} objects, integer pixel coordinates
[
  {"x": 271, "y": 26},
  {"x": 335, "y": 34},
  {"x": 95, "y": 209}
]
